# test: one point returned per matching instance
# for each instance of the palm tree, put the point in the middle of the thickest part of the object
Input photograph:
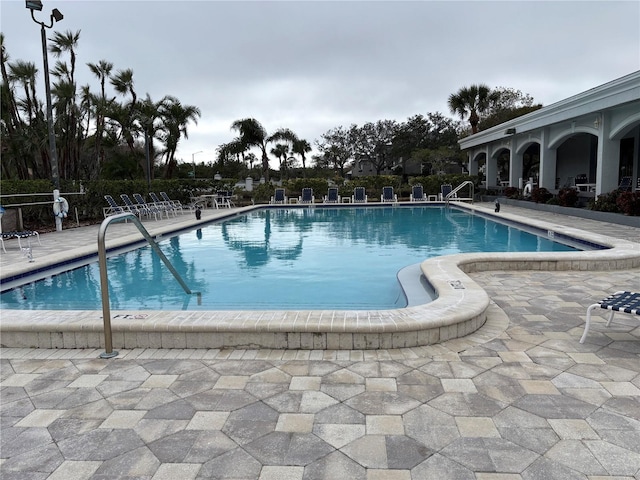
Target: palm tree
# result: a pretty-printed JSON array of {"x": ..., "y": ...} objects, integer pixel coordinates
[
  {"x": 66, "y": 42},
  {"x": 30, "y": 139},
  {"x": 148, "y": 115},
  {"x": 253, "y": 134},
  {"x": 65, "y": 93},
  {"x": 122, "y": 81},
  {"x": 175, "y": 118},
  {"x": 281, "y": 151},
  {"x": 301, "y": 147},
  {"x": 251, "y": 158},
  {"x": 474, "y": 101},
  {"x": 234, "y": 150},
  {"x": 24, "y": 73},
  {"x": 102, "y": 70}
]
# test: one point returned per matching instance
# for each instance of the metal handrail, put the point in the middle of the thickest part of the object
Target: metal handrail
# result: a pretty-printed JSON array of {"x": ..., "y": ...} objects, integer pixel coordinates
[
  {"x": 29, "y": 204},
  {"x": 104, "y": 285},
  {"x": 459, "y": 187}
]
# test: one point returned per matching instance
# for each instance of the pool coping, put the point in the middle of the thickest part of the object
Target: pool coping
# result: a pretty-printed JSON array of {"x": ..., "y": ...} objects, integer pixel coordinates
[{"x": 460, "y": 309}]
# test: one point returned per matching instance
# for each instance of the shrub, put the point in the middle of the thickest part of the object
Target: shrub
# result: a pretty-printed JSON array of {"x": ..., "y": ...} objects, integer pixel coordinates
[
  {"x": 511, "y": 192},
  {"x": 629, "y": 203},
  {"x": 294, "y": 187},
  {"x": 607, "y": 202},
  {"x": 541, "y": 195},
  {"x": 568, "y": 197},
  {"x": 263, "y": 192}
]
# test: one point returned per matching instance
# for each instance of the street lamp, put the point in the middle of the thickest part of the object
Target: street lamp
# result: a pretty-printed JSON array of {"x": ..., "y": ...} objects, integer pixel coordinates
[
  {"x": 56, "y": 16},
  {"x": 193, "y": 161}
]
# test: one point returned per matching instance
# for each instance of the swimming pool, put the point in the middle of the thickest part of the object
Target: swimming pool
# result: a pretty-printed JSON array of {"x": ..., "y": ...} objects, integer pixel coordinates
[{"x": 284, "y": 258}]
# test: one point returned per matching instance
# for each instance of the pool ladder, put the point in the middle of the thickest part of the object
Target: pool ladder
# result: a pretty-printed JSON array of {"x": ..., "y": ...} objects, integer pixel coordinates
[
  {"x": 104, "y": 282},
  {"x": 450, "y": 195}
]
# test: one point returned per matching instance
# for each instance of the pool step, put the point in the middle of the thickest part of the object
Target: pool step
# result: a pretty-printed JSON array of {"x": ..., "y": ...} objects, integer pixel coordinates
[{"x": 415, "y": 286}]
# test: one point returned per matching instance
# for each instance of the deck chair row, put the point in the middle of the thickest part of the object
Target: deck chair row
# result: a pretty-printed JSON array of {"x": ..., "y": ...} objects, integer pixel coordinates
[
  {"x": 157, "y": 208},
  {"x": 359, "y": 195}
]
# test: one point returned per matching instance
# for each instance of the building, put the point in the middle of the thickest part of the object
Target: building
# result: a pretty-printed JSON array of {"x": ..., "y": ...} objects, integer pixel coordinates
[{"x": 590, "y": 141}]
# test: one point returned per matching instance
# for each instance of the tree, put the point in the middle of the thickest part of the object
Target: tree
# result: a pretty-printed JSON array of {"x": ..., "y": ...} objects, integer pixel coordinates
[
  {"x": 175, "y": 118},
  {"x": 301, "y": 147},
  {"x": 507, "y": 104},
  {"x": 253, "y": 134},
  {"x": 102, "y": 70},
  {"x": 472, "y": 101},
  {"x": 91, "y": 129},
  {"x": 122, "y": 81},
  {"x": 149, "y": 116},
  {"x": 281, "y": 152},
  {"x": 336, "y": 148},
  {"x": 372, "y": 143}
]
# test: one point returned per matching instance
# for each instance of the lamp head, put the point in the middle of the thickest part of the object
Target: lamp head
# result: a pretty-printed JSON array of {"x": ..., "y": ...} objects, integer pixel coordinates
[
  {"x": 510, "y": 131},
  {"x": 57, "y": 16},
  {"x": 34, "y": 4}
]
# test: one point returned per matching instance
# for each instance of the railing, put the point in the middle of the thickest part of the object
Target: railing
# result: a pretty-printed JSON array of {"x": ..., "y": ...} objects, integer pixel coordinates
[
  {"x": 104, "y": 283},
  {"x": 458, "y": 188},
  {"x": 31, "y": 204}
]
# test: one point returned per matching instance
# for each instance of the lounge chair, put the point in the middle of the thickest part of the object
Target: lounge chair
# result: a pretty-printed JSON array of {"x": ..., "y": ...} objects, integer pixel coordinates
[
  {"x": 307, "y": 196},
  {"x": 417, "y": 193},
  {"x": 113, "y": 207},
  {"x": 445, "y": 190},
  {"x": 26, "y": 234},
  {"x": 625, "y": 184},
  {"x": 359, "y": 195},
  {"x": 177, "y": 205},
  {"x": 18, "y": 235},
  {"x": 279, "y": 197},
  {"x": 129, "y": 206},
  {"x": 163, "y": 205},
  {"x": 388, "y": 195},
  {"x": 148, "y": 208},
  {"x": 223, "y": 198},
  {"x": 15, "y": 234},
  {"x": 622, "y": 301},
  {"x": 332, "y": 196},
  {"x": 580, "y": 179}
]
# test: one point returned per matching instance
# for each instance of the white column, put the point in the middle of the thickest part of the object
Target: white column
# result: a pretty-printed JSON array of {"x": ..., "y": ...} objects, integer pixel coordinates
[
  {"x": 492, "y": 171},
  {"x": 607, "y": 158},
  {"x": 547, "y": 162},
  {"x": 515, "y": 164},
  {"x": 473, "y": 165}
]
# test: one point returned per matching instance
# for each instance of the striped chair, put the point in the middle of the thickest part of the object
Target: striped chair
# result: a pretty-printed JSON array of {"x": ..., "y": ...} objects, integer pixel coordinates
[{"x": 623, "y": 302}]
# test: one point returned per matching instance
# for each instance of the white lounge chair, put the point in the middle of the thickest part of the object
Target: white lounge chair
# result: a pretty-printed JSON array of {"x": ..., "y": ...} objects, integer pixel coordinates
[
  {"x": 622, "y": 301},
  {"x": 163, "y": 205},
  {"x": 148, "y": 208},
  {"x": 445, "y": 190},
  {"x": 177, "y": 205},
  {"x": 307, "y": 196},
  {"x": 388, "y": 195},
  {"x": 113, "y": 208},
  {"x": 332, "y": 195},
  {"x": 359, "y": 195},
  {"x": 279, "y": 197},
  {"x": 417, "y": 193}
]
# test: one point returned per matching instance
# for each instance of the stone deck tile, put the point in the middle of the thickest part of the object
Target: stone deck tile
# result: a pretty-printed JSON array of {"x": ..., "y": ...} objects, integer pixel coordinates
[{"x": 518, "y": 399}]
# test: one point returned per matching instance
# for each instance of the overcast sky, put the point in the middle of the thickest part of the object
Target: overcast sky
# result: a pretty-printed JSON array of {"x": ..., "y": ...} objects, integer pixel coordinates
[{"x": 312, "y": 66}]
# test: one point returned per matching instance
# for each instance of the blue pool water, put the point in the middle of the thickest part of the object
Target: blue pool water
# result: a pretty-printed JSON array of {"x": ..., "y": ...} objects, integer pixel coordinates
[{"x": 299, "y": 258}]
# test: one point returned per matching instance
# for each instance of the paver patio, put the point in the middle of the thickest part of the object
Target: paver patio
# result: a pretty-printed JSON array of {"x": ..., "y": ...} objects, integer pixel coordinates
[{"x": 525, "y": 401}]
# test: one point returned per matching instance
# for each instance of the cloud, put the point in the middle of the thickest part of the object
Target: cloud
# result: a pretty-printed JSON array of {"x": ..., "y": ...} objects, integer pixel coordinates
[{"x": 312, "y": 66}]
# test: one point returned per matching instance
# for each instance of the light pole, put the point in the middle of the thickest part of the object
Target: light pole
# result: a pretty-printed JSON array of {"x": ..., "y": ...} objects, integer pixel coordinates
[
  {"x": 56, "y": 16},
  {"x": 193, "y": 162}
]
